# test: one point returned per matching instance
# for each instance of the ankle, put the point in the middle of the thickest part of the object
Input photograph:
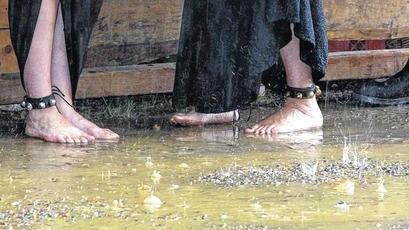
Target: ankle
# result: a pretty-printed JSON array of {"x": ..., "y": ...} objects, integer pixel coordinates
[
  {"x": 307, "y": 106},
  {"x": 65, "y": 108},
  {"x": 41, "y": 112}
]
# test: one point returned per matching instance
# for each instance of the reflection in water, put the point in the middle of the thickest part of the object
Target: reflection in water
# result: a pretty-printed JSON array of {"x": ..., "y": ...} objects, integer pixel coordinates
[{"x": 156, "y": 179}]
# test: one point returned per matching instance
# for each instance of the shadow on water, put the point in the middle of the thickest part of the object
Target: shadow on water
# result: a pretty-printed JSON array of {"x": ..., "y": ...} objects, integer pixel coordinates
[{"x": 353, "y": 173}]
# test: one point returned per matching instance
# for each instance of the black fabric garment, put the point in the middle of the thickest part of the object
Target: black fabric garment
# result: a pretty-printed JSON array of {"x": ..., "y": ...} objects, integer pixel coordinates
[
  {"x": 227, "y": 45},
  {"x": 79, "y": 19}
]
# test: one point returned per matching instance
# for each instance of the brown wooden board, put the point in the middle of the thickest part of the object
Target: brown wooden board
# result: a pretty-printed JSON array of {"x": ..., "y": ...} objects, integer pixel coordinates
[
  {"x": 3, "y": 14},
  {"x": 159, "y": 78},
  {"x": 367, "y": 20},
  {"x": 135, "y": 31},
  {"x": 130, "y": 32},
  {"x": 104, "y": 82},
  {"x": 365, "y": 64},
  {"x": 8, "y": 63}
]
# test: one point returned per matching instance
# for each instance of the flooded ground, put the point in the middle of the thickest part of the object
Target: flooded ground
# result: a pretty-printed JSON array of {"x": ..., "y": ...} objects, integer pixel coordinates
[{"x": 352, "y": 174}]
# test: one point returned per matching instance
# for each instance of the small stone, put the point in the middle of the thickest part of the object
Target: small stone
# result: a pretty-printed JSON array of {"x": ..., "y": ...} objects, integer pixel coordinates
[
  {"x": 342, "y": 205},
  {"x": 152, "y": 201},
  {"x": 184, "y": 166}
]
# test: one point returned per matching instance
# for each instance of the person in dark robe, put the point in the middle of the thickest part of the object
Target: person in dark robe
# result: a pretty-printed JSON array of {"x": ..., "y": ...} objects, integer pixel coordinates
[
  {"x": 226, "y": 46},
  {"x": 50, "y": 38}
]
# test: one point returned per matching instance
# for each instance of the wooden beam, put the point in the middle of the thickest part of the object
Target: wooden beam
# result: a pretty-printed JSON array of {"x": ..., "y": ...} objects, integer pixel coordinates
[
  {"x": 8, "y": 63},
  {"x": 4, "y": 23},
  {"x": 127, "y": 80},
  {"x": 130, "y": 32},
  {"x": 104, "y": 82},
  {"x": 366, "y": 64},
  {"x": 159, "y": 78},
  {"x": 363, "y": 20}
]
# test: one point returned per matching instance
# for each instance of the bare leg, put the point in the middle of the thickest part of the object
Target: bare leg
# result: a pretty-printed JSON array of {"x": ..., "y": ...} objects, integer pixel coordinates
[
  {"x": 196, "y": 119},
  {"x": 60, "y": 77},
  {"x": 47, "y": 124},
  {"x": 297, "y": 114}
]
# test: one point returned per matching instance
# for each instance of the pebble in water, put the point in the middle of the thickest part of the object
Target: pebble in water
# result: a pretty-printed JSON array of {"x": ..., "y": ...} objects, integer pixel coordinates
[
  {"x": 184, "y": 166},
  {"x": 342, "y": 205},
  {"x": 326, "y": 172},
  {"x": 152, "y": 202}
]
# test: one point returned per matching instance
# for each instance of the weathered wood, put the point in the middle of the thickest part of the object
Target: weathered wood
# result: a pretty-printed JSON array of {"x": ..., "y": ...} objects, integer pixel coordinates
[
  {"x": 159, "y": 78},
  {"x": 128, "y": 80},
  {"x": 103, "y": 82},
  {"x": 8, "y": 63},
  {"x": 135, "y": 31},
  {"x": 3, "y": 14},
  {"x": 366, "y": 64},
  {"x": 366, "y": 20}
]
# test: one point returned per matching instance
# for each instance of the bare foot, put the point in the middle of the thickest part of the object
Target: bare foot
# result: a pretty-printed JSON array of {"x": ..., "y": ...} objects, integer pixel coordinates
[
  {"x": 296, "y": 115},
  {"x": 49, "y": 125},
  {"x": 85, "y": 125},
  {"x": 196, "y": 119}
]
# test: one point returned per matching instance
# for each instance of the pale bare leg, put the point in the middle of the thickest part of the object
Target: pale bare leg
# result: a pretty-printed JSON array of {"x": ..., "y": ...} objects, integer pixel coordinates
[
  {"x": 60, "y": 77},
  {"x": 47, "y": 124},
  {"x": 197, "y": 119},
  {"x": 297, "y": 114}
]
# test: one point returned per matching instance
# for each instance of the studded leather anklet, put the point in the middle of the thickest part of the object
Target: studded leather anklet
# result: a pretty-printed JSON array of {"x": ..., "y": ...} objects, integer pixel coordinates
[
  {"x": 38, "y": 103},
  {"x": 303, "y": 93}
]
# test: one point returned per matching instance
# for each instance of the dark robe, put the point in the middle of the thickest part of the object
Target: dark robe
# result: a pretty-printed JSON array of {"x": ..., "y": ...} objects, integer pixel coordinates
[
  {"x": 227, "y": 45},
  {"x": 79, "y": 19}
]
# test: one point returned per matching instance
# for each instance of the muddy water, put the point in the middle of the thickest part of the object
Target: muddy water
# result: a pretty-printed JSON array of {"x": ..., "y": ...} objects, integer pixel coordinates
[{"x": 106, "y": 185}]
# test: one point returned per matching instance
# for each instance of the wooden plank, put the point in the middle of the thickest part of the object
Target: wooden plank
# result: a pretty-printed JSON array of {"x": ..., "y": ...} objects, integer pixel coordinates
[
  {"x": 103, "y": 82},
  {"x": 4, "y": 23},
  {"x": 130, "y": 32},
  {"x": 159, "y": 78},
  {"x": 127, "y": 80},
  {"x": 366, "y": 64},
  {"x": 135, "y": 31},
  {"x": 8, "y": 63},
  {"x": 364, "y": 20}
]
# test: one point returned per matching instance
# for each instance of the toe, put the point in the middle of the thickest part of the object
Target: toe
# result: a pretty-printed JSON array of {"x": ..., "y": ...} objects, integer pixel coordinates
[
  {"x": 89, "y": 137},
  {"x": 179, "y": 119},
  {"x": 58, "y": 139},
  {"x": 77, "y": 140},
  {"x": 263, "y": 130},
  {"x": 83, "y": 139},
  {"x": 252, "y": 129},
  {"x": 258, "y": 130},
  {"x": 175, "y": 118},
  {"x": 69, "y": 140},
  {"x": 111, "y": 134},
  {"x": 270, "y": 130}
]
